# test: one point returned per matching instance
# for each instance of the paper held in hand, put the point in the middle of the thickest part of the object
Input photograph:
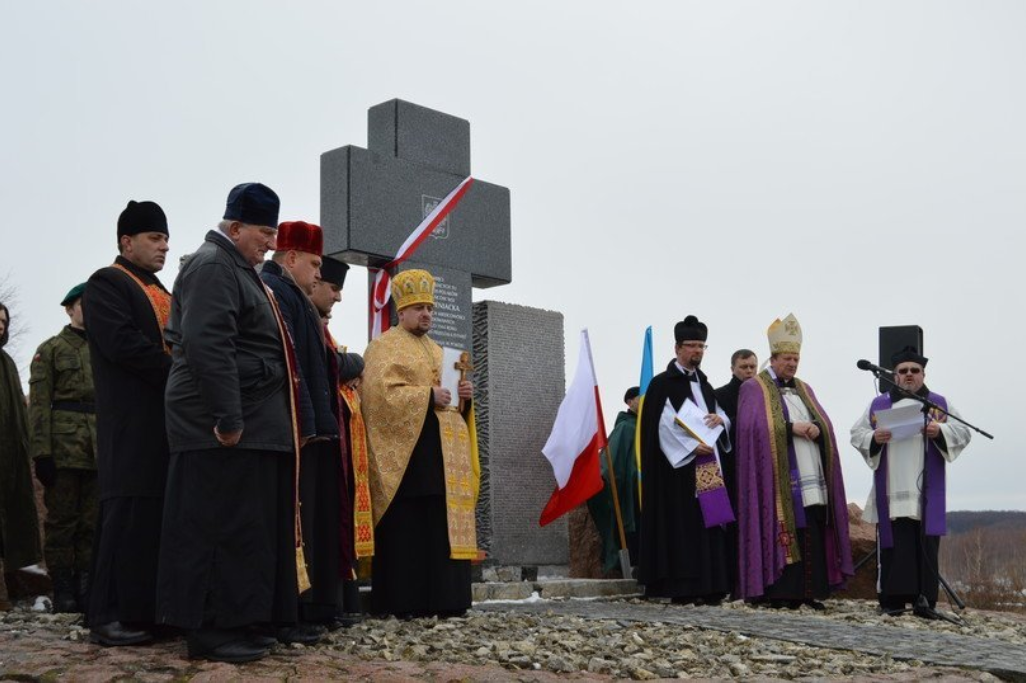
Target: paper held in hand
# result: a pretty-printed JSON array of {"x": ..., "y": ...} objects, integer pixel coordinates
[
  {"x": 903, "y": 423},
  {"x": 692, "y": 419},
  {"x": 451, "y": 374}
]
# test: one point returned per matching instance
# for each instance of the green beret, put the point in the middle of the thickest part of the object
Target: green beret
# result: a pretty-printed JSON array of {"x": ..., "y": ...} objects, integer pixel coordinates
[{"x": 73, "y": 295}]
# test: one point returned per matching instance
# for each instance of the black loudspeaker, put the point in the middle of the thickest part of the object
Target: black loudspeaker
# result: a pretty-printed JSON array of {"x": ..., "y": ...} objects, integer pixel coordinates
[{"x": 894, "y": 339}]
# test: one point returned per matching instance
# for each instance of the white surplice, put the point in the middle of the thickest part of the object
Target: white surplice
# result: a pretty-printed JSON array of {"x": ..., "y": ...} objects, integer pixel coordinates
[
  {"x": 806, "y": 451},
  {"x": 676, "y": 444},
  {"x": 905, "y": 460}
]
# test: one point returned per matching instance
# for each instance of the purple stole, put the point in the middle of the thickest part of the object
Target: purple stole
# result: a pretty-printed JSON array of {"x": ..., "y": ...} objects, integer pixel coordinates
[
  {"x": 934, "y": 504},
  {"x": 712, "y": 493}
]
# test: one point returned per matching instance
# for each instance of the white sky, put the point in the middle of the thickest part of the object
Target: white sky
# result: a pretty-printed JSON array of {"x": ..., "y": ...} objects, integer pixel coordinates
[{"x": 859, "y": 164}]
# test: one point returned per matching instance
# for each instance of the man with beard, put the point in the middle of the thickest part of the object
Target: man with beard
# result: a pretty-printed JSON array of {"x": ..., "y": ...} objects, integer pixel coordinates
[
  {"x": 125, "y": 308},
  {"x": 229, "y": 556},
  {"x": 62, "y": 421},
  {"x": 424, "y": 475},
  {"x": 684, "y": 504},
  {"x": 793, "y": 521},
  {"x": 908, "y": 486},
  {"x": 292, "y": 275},
  {"x": 19, "y": 525}
]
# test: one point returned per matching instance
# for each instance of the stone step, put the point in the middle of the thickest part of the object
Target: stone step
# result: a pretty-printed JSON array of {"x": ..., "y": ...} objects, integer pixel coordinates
[{"x": 555, "y": 588}]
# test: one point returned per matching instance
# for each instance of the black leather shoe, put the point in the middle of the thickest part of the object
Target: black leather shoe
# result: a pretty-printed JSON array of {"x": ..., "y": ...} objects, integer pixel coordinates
[
  {"x": 115, "y": 634},
  {"x": 236, "y": 652},
  {"x": 347, "y": 619},
  {"x": 304, "y": 634},
  {"x": 261, "y": 636},
  {"x": 816, "y": 605}
]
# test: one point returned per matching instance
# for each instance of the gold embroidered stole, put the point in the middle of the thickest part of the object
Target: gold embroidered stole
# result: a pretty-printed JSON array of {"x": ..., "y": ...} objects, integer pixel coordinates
[
  {"x": 400, "y": 371},
  {"x": 776, "y": 422},
  {"x": 159, "y": 300},
  {"x": 363, "y": 518}
]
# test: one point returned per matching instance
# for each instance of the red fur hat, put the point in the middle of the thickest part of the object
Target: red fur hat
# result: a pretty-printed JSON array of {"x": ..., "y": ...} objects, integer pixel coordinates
[{"x": 300, "y": 236}]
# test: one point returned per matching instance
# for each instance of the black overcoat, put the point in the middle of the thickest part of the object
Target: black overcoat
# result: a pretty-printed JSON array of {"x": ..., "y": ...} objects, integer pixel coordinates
[
  {"x": 318, "y": 413},
  {"x": 130, "y": 369},
  {"x": 228, "y": 360}
]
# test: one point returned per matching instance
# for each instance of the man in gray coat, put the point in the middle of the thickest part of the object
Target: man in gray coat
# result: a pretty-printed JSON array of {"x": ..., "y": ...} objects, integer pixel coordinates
[{"x": 227, "y": 559}]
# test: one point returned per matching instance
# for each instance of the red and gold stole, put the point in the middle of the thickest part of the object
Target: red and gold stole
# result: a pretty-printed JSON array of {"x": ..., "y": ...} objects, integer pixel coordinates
[
  {"x": 363, "y": 518},
  {"x": 302, "y": 576},
  {"x": 159, "y": 299}
]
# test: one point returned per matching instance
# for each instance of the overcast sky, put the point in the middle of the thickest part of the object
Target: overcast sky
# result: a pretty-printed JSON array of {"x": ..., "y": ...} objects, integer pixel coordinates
[{"x": 857, "y": 164}]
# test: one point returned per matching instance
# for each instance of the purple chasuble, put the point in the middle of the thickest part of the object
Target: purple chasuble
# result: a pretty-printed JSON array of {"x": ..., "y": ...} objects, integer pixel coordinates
[
  {"x": 934, "y": 503},
  {"x": 763, "y": 540}
]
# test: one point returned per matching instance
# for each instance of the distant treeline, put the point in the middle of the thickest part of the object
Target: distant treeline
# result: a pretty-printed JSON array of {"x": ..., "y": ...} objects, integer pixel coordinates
[{"x": 966, "y": 520}]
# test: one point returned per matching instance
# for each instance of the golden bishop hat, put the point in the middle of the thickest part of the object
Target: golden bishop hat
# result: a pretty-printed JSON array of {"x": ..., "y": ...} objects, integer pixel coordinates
[
  {"x": 412, "y": 287},
  {"x": 785, "y": 336}
]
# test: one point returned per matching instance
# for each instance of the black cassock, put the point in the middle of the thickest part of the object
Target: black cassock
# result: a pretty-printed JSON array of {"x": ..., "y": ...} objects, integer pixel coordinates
[
  {"x": 413, "y": 574},
  {"x": 679, "y": 557},
  {"x": 130, "y": 369},
  {"x": 726, "y": 399}
]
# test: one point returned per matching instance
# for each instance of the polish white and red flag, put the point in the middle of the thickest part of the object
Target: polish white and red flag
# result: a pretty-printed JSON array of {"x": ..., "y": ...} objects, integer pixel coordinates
[
  {"x": 578, "y": 437},
  {"x": 381, "y": 291}
]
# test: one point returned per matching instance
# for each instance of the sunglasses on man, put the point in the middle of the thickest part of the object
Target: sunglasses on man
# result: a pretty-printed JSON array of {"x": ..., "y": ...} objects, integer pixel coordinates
[{"x": 910, "y": 371}]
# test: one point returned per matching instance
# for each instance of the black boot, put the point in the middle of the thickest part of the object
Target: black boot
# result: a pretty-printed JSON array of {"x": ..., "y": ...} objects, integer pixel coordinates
[
  {"x": 63, "y": 592},
  {"x": 82, "y": 592}
]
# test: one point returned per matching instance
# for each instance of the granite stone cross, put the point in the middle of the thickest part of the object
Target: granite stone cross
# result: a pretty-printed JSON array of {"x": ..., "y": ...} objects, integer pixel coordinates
[{"x": 372, "y": 199}]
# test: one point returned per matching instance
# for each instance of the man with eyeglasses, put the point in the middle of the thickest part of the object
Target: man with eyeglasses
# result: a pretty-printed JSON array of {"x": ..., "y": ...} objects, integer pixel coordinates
[
  {"x": 793, "y": 514},
  {"x": 684, "y": 506},
  {"x": 908, "y": 485}
]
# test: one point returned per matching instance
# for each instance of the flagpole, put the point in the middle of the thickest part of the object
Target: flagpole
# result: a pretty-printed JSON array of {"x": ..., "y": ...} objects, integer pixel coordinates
[{"x": 625, "y": 555}]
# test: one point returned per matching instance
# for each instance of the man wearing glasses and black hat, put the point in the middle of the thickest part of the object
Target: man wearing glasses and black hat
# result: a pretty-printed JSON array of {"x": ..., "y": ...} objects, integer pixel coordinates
[{"x": 908, "y": 485}]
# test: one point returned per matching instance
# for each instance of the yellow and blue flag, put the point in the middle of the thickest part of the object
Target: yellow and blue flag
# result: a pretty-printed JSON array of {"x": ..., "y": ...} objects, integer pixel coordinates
[{"x": 646, "y": 377}]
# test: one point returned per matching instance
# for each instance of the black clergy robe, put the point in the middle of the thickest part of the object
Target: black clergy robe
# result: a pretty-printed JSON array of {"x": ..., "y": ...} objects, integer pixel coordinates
[
  {"x": 726, "y": 398},
  {"x": 130, "y": 369},
  {"x": 19, "y": 525},
  {"x": 679, "y": 557},
  {"x": 413, "y": 574}
]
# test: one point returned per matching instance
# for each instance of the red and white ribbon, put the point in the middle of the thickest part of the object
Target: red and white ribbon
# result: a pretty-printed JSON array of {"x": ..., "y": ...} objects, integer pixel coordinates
[{"x": 381, "y": 293}]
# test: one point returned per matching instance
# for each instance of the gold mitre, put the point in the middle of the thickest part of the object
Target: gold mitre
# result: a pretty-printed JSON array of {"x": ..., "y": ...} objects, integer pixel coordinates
[
  {"x": 412, "y": 287},
  {"x": 785, "y": 336}
]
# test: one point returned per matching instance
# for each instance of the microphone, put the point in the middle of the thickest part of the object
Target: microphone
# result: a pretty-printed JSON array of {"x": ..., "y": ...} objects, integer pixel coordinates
[{"x": 866, "y": 365}]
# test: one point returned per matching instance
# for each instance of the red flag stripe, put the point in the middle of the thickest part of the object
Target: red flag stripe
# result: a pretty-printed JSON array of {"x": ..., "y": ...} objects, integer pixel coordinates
[{"x": 585, "y": 481}]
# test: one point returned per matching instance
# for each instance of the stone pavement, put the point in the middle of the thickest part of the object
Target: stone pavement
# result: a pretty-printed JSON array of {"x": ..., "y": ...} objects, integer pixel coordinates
[{"x": 1003, "y": 659}]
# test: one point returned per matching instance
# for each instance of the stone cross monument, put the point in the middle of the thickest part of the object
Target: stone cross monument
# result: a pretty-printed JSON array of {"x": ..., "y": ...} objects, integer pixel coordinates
[{"x": 371, "y": 200}]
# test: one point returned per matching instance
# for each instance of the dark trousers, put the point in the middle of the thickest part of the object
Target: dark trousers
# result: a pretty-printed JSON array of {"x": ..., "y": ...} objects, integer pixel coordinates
[
  {"x": 806, "y": 579},
  {"x": 72, "y": 507},
  {"x": 227, "y": 556}
]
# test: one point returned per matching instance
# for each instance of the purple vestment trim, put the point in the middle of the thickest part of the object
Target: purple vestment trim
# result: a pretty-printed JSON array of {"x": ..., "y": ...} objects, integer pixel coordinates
[
  {"x": 796, "y": 476},
  {"x": 714, "y": 501},
  {"x": 934, "y": 504}
]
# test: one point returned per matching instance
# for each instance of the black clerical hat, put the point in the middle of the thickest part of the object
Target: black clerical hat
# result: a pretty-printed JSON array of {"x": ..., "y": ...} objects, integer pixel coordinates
[
  {"x": 334, "y": 271},
  {"x": 142, "y": 217},
  {"x": 909, "y": 354},
  {"x": 690, "y": 329},
  {"x": 254, "y": 204}
]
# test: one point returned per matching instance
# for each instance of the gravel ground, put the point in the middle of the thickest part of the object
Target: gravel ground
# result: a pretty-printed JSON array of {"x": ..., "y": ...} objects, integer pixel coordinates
[{"x": 507, "y": 646}]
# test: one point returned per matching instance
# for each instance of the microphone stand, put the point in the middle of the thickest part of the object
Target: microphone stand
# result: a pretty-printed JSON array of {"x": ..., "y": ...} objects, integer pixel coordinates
[{"x": 922, "y": 607}]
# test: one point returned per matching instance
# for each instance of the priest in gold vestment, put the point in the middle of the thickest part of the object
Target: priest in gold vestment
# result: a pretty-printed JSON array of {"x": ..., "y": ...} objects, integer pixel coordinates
[{"x": 424, "y": 475}]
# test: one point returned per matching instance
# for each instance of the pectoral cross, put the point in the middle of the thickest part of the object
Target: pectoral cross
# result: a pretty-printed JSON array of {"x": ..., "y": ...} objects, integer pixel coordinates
[{"x": 464, "y": 366}]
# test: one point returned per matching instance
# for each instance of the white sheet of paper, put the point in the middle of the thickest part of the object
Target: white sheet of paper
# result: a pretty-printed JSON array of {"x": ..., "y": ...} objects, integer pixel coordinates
[
  {"x": 450, "y": 375},
  {"x": 692, "y": 419},
  {"x": 903, "y": 422}
]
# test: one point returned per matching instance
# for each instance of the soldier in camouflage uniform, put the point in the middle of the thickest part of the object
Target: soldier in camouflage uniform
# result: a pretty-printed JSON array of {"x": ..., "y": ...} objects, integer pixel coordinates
[{"x": 62, "y": 427}]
